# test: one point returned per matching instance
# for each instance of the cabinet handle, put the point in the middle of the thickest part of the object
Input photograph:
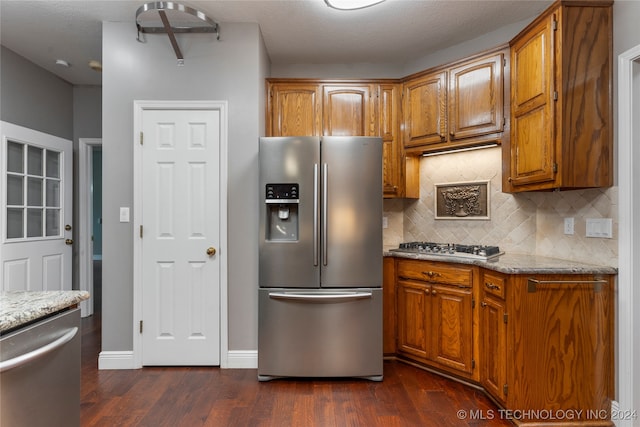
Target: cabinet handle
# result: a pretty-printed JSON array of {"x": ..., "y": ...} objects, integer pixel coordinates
[
  {"x": 452, "y": 134},
  {"x": 484, "y": 304},
  {"x": 532, "y": 284},
  {"x": 490, "y": 285},
  {"x": 431, "y": 273}
]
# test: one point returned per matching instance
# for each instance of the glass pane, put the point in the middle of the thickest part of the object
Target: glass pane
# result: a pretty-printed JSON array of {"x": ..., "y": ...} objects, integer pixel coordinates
[
  {"x": 53, "y": 222},
  {"x": 15, "y": 227},
  {"x": 53, "y": 194},
  {"x": 53, "y": 164},
  {"x": 34, "y": 161},
  {"x": 34, "y": 222},
  {"x": 34, "y": 191},
  {"x": 15, "y": 191},
  {"x": 15, "y": 157}
]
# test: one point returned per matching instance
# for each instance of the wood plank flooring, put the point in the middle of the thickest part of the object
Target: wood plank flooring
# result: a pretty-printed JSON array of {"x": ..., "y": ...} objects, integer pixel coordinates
[
  {"x": 198, "y": 396},
  {"x": 201, "y": 396}
]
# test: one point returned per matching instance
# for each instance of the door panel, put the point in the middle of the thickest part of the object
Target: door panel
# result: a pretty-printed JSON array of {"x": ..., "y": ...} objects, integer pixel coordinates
[
  {"x": 37, "y": 202},
  {"x": 180, "y": 220},
  {"x": 352, "y": 188},
  {"x": 290, "y": 263}
]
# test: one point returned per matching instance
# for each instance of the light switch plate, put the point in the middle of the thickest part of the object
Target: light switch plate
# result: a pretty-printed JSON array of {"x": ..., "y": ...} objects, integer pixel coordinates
[
  {"x": 124, "y": 214},
  {"x": 600, "y": 227},
  {"x": 385, "y": 222}
]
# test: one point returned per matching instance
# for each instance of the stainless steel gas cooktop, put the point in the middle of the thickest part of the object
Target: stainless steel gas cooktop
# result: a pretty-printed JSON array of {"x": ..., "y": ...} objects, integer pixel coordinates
[{"x": 450, "y": 250}]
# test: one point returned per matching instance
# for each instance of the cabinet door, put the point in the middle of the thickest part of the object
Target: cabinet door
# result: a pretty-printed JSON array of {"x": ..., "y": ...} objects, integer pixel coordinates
[
  {"x": 476, "y": 91},
  {"x": 294, "y": 109},
  {"x": 562, "y": 352},
  {"x": 452, "y": 327},
  {"x": 533, "y": 155},
  {"x": 425, "y": 109},
  {"x": 389, "y": 107},
  {"x": 493, "y": 362},
  {"x": 413, "y": 317},
  {"x": 389, "y": 306},
  {"x": 349, "y": 110}
]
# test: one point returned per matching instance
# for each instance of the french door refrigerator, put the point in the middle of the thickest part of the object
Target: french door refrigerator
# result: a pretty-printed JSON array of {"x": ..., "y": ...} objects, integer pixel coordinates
[{"x": 320, "y": 257}]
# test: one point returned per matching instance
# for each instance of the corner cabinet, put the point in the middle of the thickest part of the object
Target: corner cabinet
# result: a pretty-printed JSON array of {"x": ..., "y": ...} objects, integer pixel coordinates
[
  {"x": 561, "y": 105},
  {"x": 301, "y": 107},
  {"x": 435, "y": 309},
  {"x": 456, "y": 106}
]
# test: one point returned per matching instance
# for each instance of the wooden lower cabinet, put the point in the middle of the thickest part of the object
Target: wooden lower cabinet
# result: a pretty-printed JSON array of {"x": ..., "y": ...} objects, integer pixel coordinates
[
  {"x": 560, "y": 345},
  {"x": 542, "y": 346},
  {"x": 436, "y": 316}
]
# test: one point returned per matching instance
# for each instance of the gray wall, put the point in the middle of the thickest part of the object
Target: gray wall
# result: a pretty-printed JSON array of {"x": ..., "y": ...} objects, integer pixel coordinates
[
  {"x": 232, "y": 69},
  {"x": 33, "y": 97}
]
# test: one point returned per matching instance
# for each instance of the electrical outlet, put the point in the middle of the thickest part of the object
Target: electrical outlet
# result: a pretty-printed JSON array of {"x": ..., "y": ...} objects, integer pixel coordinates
[
  {"x": 124, "y": 214},
  {"x": 569, "y": 224}
]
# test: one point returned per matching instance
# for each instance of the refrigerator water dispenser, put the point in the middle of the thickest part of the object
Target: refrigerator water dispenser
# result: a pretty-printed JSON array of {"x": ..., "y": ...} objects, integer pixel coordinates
[{"x": 282, "y": 202}]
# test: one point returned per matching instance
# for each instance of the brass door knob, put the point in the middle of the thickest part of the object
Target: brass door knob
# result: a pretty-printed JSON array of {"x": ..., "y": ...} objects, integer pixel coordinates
[
  {"x": 211, "y": 251},
  {"x": 69, "y": 241}
]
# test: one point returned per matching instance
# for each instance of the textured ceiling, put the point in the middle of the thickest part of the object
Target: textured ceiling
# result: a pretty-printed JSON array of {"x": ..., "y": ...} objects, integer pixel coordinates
[{"x": 294, "y": 31}]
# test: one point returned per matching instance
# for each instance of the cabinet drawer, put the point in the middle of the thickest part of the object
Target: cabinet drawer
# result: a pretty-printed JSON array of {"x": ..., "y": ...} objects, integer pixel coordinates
[
  {"x": 436, "y": 272},
  {"x": 494, "y": 284}
]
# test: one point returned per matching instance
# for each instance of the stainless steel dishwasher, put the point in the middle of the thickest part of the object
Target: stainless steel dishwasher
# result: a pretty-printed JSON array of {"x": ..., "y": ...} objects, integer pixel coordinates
[{"x": 40, "y": 373}]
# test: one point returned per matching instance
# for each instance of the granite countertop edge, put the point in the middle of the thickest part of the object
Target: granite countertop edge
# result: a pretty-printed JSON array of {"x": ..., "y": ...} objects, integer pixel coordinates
[
  {"x": 19, "y": 308},
  {"x": 518, "y": 264}
]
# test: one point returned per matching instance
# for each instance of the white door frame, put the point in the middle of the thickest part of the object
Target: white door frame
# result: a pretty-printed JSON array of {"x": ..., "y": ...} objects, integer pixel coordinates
[
  {"x": 85, "y": 220},
  {"x": 628, "y": 340},
  {"x": 139, "y": 107}
]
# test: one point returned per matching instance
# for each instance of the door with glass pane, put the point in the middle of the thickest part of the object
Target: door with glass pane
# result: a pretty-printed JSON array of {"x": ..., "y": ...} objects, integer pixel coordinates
[{"x": 36, "y": 210}]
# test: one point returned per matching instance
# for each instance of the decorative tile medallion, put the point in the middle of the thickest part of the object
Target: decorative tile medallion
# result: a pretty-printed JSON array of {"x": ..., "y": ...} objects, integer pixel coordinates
[{"x": 463, "y": 200}]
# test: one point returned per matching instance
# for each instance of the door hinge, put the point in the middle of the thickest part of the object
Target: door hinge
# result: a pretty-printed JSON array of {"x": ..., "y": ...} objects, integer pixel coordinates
[
  {"x": 504, "y": 121},
  {"x": 505, "y": 389},
  {"x": 141, "y": 138},
  {"x": 554, "y": 25},
  {"x": 141, "y": 232},
  {"x": 504, "y": 62},
  {"x": 505, "y": 317},
  {"x": 555, "y": 95},
  {"x": 555, "y": 168},
  {"x": 473, "y": 364},
  {"x": 473, "y": 303},
  {"x": 141, "y": 326}
]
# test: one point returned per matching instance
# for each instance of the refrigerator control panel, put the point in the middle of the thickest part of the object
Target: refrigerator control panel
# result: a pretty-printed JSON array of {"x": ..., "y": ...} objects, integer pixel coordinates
[{"x": 282, "y": 193}]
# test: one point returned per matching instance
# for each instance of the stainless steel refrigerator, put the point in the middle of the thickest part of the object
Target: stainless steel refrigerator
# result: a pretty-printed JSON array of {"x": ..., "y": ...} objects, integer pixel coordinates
[{"x": 320, "y": 252}]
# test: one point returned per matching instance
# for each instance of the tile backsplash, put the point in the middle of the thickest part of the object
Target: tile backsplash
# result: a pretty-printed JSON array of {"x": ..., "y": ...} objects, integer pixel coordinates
[{"x": 524, "y": 223}]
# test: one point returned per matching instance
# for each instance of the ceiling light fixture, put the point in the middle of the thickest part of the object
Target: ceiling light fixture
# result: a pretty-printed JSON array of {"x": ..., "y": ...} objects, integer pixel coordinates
[
  {"x": 351, "y": 4},
  {"x": 459, "y": 150},
  {"x": 62, "y": 63},
  {"x": 95, "y": 65}
]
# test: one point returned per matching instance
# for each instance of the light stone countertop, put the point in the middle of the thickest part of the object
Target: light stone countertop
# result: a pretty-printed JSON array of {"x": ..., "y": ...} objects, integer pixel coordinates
[
  {"x": 18, "y": 308},
  {"x": 518, "y": 264}
]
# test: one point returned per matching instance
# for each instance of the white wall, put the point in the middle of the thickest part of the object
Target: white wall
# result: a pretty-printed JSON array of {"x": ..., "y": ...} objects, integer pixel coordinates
[{"x": 231, "y": 69}]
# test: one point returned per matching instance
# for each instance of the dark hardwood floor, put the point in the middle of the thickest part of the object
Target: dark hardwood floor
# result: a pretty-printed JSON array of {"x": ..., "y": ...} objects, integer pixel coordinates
[{"x": 201, "y": 396}]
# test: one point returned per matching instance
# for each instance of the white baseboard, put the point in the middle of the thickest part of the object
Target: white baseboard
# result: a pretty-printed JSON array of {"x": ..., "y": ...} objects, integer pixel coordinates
[
  {"x": 236, "y": 359},
  {"x": 242, "y": 359},
  {"x": 115, "y": 360}
]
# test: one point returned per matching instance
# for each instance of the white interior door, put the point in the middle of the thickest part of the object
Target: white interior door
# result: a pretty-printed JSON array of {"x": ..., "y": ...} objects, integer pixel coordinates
[
  {"x": 180, "y": 233},
  {"x": 35, "y": 254}
]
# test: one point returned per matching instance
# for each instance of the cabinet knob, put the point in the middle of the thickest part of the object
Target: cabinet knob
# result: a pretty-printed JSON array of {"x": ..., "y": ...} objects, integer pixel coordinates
[
  {"x": 433, "y": 292},
  {"x": 452, "y": 134},
  {"x": 211, "y": 251},
  {"x": 68, "y": 242},
  {"x": 484, "y": 304}
]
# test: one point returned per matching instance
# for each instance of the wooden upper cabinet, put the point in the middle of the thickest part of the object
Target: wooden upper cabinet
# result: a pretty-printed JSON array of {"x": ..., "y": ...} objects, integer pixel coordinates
[
  {"x": 349, "y": 110},
  {"x": 425, "y": 101},
  {"x": 457, "y": 105},
  {"x": 476, "y": 98},
  {"x": 561, "y": 107},
  {"x": 294, "y": 109}
]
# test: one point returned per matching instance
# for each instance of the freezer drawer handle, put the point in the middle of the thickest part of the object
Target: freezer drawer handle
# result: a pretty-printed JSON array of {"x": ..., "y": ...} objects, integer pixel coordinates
[
  {"x": 320, "y": 297},
  {"x": 35, "y": 354}
]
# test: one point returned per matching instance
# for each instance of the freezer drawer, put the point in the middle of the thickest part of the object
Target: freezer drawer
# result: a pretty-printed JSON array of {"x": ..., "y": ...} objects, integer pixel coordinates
[{"x": 320, "y": 333}]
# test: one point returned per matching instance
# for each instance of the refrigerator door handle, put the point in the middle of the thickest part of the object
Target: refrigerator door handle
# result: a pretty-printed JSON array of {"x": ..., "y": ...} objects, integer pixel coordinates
[
  {"x": 320, "y": 297},
  {"x": 325, "y": 199},
  {"x": 315, "y": 215}
]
